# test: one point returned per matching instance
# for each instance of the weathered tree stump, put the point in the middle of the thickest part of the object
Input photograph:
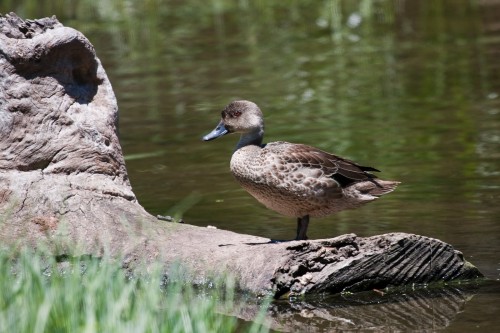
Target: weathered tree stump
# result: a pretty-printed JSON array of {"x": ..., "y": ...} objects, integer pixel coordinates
[{"x": 63, "y": 181}]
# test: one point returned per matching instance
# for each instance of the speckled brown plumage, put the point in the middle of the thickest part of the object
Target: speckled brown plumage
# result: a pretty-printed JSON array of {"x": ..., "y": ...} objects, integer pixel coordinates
[{"x": 294, "y": 179}]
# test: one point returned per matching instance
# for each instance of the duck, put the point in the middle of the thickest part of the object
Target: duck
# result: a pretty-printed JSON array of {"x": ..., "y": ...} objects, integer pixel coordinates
[{"x": 293, "y": 179}]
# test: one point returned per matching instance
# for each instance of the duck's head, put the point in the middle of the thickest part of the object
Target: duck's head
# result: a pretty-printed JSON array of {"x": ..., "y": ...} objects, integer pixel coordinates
[{"x": 242, "y": 117}]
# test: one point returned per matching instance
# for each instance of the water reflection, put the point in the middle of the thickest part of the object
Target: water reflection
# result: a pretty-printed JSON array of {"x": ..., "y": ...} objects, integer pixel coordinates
[
  {"x": 422, "y": 310},
  {"x": 418, "y": 310}
]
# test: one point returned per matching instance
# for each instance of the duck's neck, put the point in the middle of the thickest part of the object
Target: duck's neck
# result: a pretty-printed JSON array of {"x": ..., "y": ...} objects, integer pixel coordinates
[{"x": 252, "y": 138}]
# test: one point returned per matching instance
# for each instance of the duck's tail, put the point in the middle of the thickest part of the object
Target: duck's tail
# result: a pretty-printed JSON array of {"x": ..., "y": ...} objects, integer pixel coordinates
[{"x": 377, "y": 187}]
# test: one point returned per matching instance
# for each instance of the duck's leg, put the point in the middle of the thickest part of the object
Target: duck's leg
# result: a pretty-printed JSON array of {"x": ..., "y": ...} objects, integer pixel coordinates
[{"x": 302, "y": 224}]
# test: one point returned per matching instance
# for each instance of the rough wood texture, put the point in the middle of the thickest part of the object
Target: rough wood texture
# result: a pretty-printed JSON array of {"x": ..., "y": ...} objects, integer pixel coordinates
[
  {"x": 63, "y": 180},
  {"x": 60, "y": 158}
]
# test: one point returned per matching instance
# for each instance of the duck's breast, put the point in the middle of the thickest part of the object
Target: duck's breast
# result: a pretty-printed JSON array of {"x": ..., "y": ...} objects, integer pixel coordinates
[{"x": 283, "y": 183}]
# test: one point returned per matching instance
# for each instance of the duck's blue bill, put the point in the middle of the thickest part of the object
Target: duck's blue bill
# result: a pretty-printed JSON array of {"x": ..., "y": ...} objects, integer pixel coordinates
[{"x": 219, "y": 131}]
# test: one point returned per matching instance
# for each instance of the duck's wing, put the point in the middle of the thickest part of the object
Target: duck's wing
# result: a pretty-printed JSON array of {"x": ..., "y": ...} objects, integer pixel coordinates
[{"x": 342, "y": 170}]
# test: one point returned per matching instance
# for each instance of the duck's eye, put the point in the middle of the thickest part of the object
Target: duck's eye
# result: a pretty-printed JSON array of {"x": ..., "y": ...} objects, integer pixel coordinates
[
  {"x": 234, "y": 114},
  {"x": 231, "y": 114}
]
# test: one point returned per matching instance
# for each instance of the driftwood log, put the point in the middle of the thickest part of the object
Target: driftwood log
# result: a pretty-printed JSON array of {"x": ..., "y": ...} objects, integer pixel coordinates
[{"x": 63, "y": 181}]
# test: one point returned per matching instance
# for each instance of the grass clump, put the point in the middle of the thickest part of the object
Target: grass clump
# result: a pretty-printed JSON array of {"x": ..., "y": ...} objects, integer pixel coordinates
[{"x": 40, "y": 294}]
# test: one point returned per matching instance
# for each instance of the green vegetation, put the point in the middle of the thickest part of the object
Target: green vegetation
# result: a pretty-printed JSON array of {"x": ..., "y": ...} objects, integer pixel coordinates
[{"x": 40, "y": 294}]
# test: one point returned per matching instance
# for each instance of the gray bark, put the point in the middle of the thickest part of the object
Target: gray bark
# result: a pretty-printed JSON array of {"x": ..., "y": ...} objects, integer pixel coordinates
[{"x": 63, "y": 182}]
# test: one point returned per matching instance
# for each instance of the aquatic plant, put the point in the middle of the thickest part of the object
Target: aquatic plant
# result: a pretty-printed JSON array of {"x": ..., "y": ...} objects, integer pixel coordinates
[{"x": 43, "y": 293}]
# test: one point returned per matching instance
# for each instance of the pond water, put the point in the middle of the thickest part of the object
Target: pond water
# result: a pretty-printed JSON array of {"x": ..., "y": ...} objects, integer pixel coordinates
[{"x": 409, "y": 87}]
